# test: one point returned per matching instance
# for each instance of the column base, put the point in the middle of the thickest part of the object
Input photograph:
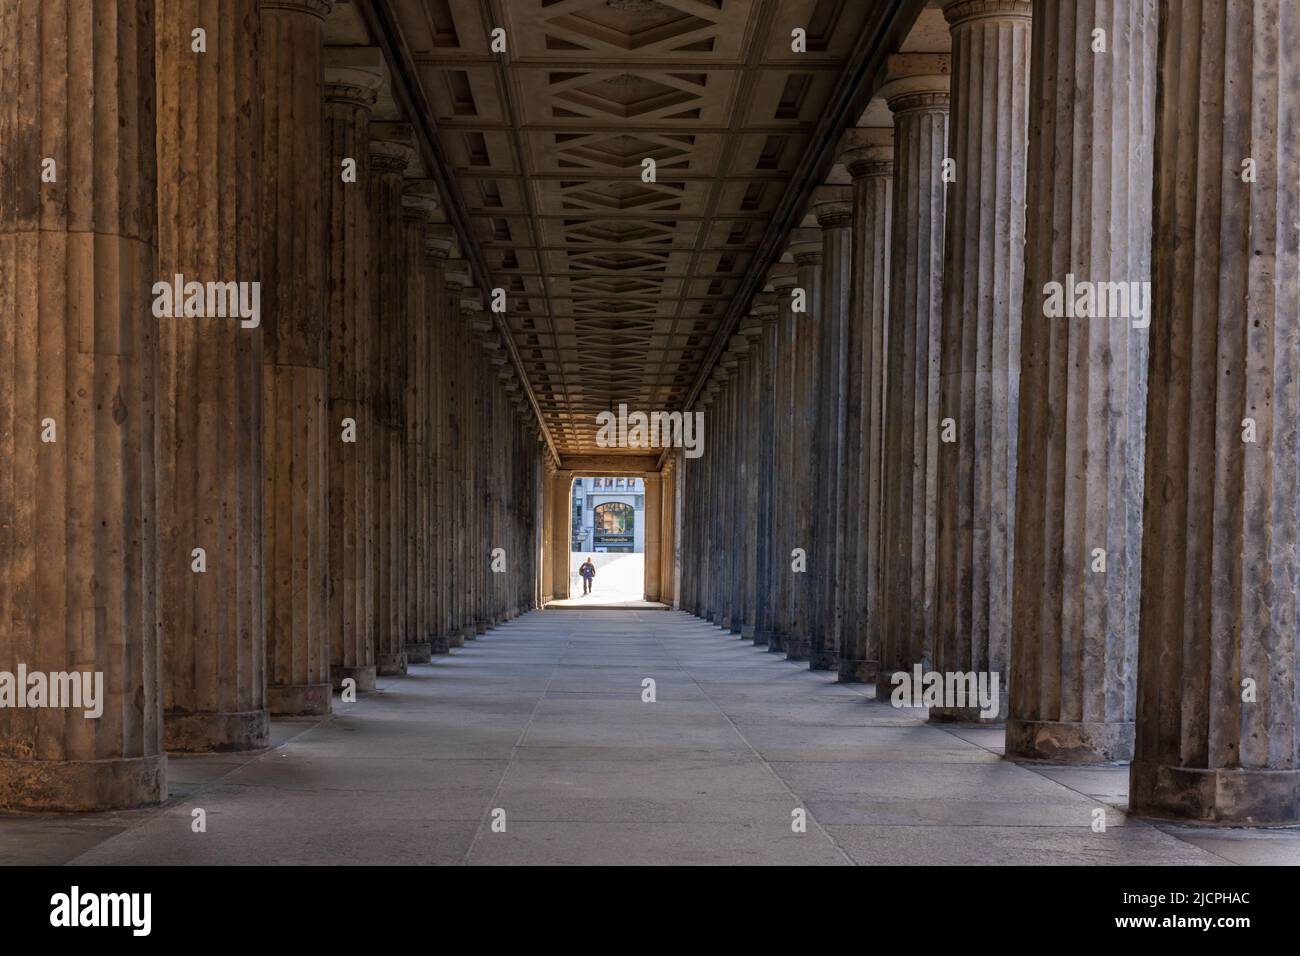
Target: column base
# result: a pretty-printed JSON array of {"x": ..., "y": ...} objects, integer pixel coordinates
[
  {"x": 776, "y": 643},
  {"x": 81, "y": 786},
  {"x": 299, "y": 700},
  {"x": 762, "y": 638},
  {"x": 390, "y": 665},
  {"x": 823, "y": 660},
  {"x": 216, "y": 733},
  {"x": 1226, "y": 796},
  {"x": 468, "y": 632},
  {"x": 439, "y": 645},
  {"x": 482, "y": 627},
  {"x": 1081, "y": 742},
  {"x": 857, "y": 672},
  {"x": 455, "y": 639},
  {"x": 797, "y": 649},
  {"x": 419, "y": 653},
  {"x": 364, "y": 676}
]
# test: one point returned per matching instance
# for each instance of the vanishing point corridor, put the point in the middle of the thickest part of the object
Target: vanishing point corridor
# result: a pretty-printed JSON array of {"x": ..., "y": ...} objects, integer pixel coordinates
[{"x": 544, "y": 719}]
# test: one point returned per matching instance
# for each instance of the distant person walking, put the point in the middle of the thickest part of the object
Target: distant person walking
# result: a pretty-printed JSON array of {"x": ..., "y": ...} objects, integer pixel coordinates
[{"x": 588, "y": 571}]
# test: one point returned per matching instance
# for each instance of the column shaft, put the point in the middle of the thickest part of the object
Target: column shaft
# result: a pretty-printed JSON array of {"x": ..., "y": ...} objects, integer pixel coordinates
[
  {"x": 1082, "y": 386},
  {"x": 210, "y": 383},
  {"x": 1216, "y": 701},
  {"x": 78, "y": 367},
  {"x": 295, "y": 427}
]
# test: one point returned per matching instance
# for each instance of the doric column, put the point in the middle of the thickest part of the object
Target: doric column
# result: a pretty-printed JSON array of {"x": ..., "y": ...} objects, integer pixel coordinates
[
  {"x": 783, "y": 278},
  {"x": 438, "y": 244},
  {"x": 210, "y": 383},
  {"x": 1082, "y": 385},
  {"x": 78, "y": 368},
  {"x": 561, "y": 487},
  {"x": 1216, "y": 697},
  {"x": 390, "y": 154},
  {"x": 653, "y": 538},
  {"x": 454, "y": 279},
  {"x": 833, "y": 207},
  {"x": 868, "y": 154},
  {"x": 806, "y": 248},
  {"x": 979, "y": 367},
  {"x": 473, "y": 550},
  {"x": 296, "y": 430},
  {"x": 737, "y": 514},
  {"x": 762, "y": 332},
  {"x": 917, "y": 94},
  {"x": 547, "y": 518},
  {"x": 351, "y": 432}
]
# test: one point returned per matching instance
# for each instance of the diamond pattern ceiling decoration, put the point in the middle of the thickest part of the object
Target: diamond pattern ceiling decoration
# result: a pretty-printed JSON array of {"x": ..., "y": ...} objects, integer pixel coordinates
[{"x": 618, "y": 287}]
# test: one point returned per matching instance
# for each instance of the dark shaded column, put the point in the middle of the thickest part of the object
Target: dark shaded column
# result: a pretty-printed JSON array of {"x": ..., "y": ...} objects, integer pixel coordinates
[
  {"x": 833, "y": 207},
  {"x": 351, "y": 433},
  {"x": 1216, "y": 699},
  {"x": 917, "y": 94},
  {"x": 210, "y": 382},
  {"x": 439, "y": 242},
  {"x": 783, "y": 278},
  {"x": 762, "y": 334},
  {"x": 296, "y": 430},
  {"x": 390, "y": 154},
  {"x": 806, "y": 248},
  {"x": 1082, "y": 386},
  {"x": 868, "y": 154},
  {"x": 418, "y": 204},
  {"x": 78, "y": 365}
]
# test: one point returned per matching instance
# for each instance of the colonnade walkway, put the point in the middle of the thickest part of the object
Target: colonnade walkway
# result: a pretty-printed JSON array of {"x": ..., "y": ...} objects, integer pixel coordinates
[{"x": 543, "y": 718}]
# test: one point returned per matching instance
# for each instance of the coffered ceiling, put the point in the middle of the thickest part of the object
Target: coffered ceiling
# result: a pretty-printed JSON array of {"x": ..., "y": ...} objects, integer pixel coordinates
[{"x": 619, "y": 289}]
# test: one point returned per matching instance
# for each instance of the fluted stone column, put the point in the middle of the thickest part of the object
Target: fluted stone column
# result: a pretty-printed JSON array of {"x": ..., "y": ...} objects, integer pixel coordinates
[
  {"x": 455, "y": 278},
  {"x": 917, "y": 94},
  {"x": 295, "y": 426},
  {"x": 210, "y": 384},
  {"x": 438, "y": 244},
  {"x": 1216, "y": 699},
  {"x": 473, "y": 553},
  {"x": 561, "y": 488},
  {"x": 78, "y": 368},
  {"x": 390, "y": 154},
  {"x": 1082, "y": 386},
  {"x": 654, "y": 518},
  {"x": 980, "y": 363},
  {"x": 806, "y": 248},
  {"x": 833, "y": 206},
  {"x": 351, "y": 433},
  {"x": 419, "y": 202},
  {"x": 783, "y": 278},
  {"x": 868, "y": 154},
  {"x": 763, "y": 335}
]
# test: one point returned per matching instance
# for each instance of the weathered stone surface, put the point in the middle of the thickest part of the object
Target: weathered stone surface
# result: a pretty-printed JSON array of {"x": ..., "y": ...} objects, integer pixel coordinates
[
  {"x": 979, "y": 366},
  {"x": 868, "y": 154},
  {"x": 295, "y": 425},
  {"x": 1220, "y": 576},
  {"x": 210, "y": 383},
  {"x": 390, "y": 154},
  {"x": 79, "y": 353},
  {"x": 349, "y": 98},
  {"x": 919, "y": 103},
  {"x": 1082, "y": 386}
]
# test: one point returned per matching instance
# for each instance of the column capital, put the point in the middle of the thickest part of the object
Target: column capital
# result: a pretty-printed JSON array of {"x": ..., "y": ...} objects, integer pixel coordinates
[
  {"x": 439, "y": 241},
  {"x": 833, "y": 206},
  {"x": 766, "y": 305},
  {"x": 867, "y": 151},
  {"x": 419, "y": 200},
  {"x": 957, "y": 12},
  {"x": 392, "y": 147},
  {"x": 783, "y": 277},
  {"x": 805, "y": 245},
  {"x": 917, "y": 81},
  {"x": 456, "y": 277},
  {"x": 353, "y": 85},
  {"x": 751, "y": 327}
]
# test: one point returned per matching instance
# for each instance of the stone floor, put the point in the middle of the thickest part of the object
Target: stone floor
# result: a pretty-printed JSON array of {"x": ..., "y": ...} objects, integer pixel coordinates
[{"x": 543, "y": 719}]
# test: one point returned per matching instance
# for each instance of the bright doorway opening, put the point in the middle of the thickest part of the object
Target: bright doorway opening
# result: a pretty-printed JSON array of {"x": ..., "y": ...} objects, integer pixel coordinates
[{"x": 607, "y": 532}]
